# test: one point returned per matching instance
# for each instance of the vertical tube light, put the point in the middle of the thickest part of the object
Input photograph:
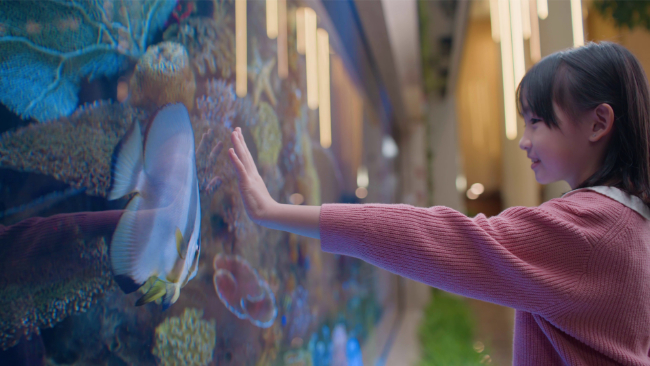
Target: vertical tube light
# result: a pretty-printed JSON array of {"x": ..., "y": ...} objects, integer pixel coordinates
[
  {"x": 542, "y": 9},
  {"x": 300, "y": 30},
  {"x": 272, "y": 18},
  {"x": 535, "y": 45},
  {"x": 311, "y": 58},
  {"x": 576, "y": 21},
  {"x": 507, "y": 70},
  {"x": 283, "y": 48},
  {"x": 525, "y": 18},
  {"x": 494, "y": 19},
  {"x": 324, "y": 112},
  {"x": 517, "y": 41},
  {"x": 241, "y": 72}
]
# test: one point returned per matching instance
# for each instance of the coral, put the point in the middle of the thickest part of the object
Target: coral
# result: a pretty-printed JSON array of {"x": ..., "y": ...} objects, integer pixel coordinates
[
  {"x": 186, "y": 340},
  {"x": 210, "y": 43},
  {"x": 206, "y": 161},
  {"x": 68, "y": 280},
  {"x": 267, "y": 135},
  {"x": 243, "y": 291},
  {"x": 271, "y": 339},
  {"x": 47, "y": 47},
  {"x": 298, "y": 313},
  {"x": 298, "y": 358},
  {"x": 219, "y": 105},
  {"x": 260, "y": 74},
  {"x": 163, "y": 75},
  {"x": 76, "y": 150}
]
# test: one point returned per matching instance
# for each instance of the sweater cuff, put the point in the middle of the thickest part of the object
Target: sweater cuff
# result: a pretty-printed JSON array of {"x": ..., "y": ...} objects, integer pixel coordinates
[{"x": 341, "y": 227}]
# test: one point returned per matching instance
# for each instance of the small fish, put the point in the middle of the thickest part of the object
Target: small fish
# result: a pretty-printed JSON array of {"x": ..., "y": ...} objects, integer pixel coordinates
[{"x": 157, "y": 240}]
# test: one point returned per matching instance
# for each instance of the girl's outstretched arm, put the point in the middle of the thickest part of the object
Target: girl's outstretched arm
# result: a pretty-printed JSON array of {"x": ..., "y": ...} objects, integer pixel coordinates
[{"x": 260, "y": 206}]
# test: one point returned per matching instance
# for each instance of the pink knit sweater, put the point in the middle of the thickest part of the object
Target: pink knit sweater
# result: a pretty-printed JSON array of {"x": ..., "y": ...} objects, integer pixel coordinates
[{"x": 576, "y": 269}]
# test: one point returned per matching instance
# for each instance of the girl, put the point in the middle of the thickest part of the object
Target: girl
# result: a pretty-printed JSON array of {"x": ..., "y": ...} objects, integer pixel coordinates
[{"x": 577, "y": 268}]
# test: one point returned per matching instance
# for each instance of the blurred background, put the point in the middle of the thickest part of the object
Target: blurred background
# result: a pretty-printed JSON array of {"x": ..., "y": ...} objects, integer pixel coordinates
[{"x": 354, "y": 101}]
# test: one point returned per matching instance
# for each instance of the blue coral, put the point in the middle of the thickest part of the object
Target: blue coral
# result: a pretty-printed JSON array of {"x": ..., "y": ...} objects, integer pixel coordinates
[{"x": 47, "y": 47}]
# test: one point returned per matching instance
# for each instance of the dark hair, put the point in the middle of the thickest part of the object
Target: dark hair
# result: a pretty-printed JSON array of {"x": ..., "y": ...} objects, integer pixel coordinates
[{"x": 580, "y": 79}]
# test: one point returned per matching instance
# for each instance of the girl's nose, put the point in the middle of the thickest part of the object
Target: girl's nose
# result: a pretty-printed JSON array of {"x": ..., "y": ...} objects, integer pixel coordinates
[{"x": 524, "y": 143}]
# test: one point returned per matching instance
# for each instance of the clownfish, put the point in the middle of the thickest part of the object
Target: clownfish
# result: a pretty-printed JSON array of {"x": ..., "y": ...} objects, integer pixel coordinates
[{"x": 157, "y": 240}]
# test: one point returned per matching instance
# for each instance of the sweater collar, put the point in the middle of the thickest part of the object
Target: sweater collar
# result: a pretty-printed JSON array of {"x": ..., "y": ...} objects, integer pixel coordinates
[{"x": 633, "y": 202}]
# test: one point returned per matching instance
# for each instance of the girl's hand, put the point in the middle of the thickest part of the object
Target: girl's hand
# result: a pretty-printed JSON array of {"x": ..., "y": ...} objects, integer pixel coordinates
[{"x": 257, "y": 200}]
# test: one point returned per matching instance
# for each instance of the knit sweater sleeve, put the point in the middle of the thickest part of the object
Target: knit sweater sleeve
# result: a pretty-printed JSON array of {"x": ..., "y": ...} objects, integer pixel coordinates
[{"x": 525, "y": 258}]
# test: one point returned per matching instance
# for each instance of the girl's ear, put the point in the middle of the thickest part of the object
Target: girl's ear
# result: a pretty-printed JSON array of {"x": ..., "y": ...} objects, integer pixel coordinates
[{"x": 602, "y": 123}]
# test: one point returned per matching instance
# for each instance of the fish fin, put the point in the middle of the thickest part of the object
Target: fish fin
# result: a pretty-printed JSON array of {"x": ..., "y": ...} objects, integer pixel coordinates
[
  {"x": 127, "y": 284},
  {"x": 172, "y": 120},
  {"x": 181, "y": 247},
  {"x": 156, "y": 291},
  {"x": 172, "y": 294},
  {"x": 126, "y": 163},
  {"x": 125, "y": 249}
]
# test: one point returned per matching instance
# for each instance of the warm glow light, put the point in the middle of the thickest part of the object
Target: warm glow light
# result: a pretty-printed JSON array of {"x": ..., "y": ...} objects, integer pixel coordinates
[
  {"x": 517, "y": 41},
  {"x": 296, "y": 199},
  {"x": 525, "y": 18},
  {"x": 542, "y": 9},
  {"x": 324, "y": 111},
  {"x": 272, "y": 18},
  {"x": 241, "y": 72},
  {"x": 362, "y": 177},
  {"x": 494, "y": 19},
  {"x": 461, "y": 183},
  {"x": 535, "y": 45},
  {"x": 477, "y": 188},
  {"x": 283, "y": 48},
  {"x": 471, "y": 195},
  {"x": 507, "y": 70},
  {"x": 300, "y": 30},
  {"x": 311, "y": 58},
  {"x": 576, "y": 21},
  {"x": 361, "y": 192}
]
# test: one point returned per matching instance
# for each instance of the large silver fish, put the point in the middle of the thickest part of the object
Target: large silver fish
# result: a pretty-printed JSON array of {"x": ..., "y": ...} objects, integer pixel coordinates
[{"x": 157, "y": 239}]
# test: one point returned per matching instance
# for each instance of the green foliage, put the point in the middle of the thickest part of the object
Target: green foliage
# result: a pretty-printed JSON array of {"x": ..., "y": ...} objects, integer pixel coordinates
[
  {"x": 625, "y": 13},
  {"x": 447, "y": 333}
]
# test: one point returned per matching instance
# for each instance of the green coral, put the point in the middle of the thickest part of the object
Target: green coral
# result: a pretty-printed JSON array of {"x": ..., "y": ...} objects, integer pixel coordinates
[
  {"x": 186, "y": 340},
  {"x": 40, "y": 299},
  {"x": 48, "y": 47},
  {"x": 76, "y": 150},
  {"x": 267, "y": 135}
]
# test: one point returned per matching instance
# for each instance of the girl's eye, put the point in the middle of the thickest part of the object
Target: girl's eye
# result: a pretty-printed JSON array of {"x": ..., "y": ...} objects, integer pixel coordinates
[{"x": 535, "y": 120}]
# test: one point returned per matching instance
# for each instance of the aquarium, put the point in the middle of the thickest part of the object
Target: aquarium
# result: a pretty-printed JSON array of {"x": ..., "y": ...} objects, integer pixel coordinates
[{"x": 123, "y": 236}]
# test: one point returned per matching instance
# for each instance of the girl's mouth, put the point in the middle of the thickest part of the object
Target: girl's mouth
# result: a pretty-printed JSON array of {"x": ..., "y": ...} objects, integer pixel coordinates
[{"x": 534, "y": 164}]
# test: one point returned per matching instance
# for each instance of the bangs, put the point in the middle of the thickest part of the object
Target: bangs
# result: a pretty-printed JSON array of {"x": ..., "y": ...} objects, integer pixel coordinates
[{"x": 538, "y": 89}]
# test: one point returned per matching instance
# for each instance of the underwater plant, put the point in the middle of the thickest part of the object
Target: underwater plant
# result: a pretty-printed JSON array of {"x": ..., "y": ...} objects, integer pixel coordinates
[
  {"x": 186, "y": 340},
  {"x": 48, "y": 47}
]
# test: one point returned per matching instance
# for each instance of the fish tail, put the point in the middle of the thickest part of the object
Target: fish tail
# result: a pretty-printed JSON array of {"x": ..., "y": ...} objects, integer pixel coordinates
[
  {"x": 127, "y": 163},
  {"x": 156, "y": 291}
]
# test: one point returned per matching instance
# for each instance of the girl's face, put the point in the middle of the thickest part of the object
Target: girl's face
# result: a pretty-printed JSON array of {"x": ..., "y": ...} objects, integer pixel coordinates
[{"x": 557, "y": 154}]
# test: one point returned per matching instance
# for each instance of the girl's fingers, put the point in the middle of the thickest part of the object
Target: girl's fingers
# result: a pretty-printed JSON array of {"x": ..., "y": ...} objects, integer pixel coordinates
[
  {"x": 246, "y": 157},
  {"x": 239, "y": 150},
  {"x": 239, "y": 167}
]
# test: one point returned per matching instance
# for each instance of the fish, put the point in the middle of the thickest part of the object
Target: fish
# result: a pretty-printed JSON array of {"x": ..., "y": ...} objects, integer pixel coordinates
[{"x": 157, "y": 240}]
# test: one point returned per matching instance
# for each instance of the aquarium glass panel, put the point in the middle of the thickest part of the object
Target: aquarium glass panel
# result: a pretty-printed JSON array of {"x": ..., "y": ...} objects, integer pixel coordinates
[{"x": 123, "y": 236}]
